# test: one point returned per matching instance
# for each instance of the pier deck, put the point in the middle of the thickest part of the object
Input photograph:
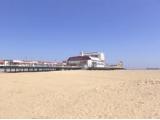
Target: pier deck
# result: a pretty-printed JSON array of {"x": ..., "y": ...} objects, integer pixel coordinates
[{"x": 15, "y": 69}]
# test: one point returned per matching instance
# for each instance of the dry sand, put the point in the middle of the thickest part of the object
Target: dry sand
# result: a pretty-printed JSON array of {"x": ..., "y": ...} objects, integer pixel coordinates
[{"x": 80, "y": 94}]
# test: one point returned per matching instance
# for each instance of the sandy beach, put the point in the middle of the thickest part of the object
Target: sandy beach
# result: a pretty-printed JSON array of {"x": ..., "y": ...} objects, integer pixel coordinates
[{"x": 80, "y": 94}]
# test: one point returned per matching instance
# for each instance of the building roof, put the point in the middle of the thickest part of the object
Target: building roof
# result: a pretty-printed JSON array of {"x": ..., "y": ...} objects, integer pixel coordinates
[{"x": 78, "y": 58}]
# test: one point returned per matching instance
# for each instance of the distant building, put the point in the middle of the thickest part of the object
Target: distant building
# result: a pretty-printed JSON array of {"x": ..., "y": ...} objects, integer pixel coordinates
[
  {"x": 1, "y": 62},
  {"x": 8, "y": 62},
  {"x": 119, "y": 65},
  {"x": 28, "y": 63},
  {"x": 87, "y": 59}
]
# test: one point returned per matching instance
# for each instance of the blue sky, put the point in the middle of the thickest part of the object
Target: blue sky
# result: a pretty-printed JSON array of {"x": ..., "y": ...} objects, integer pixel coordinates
[{"x": 127, "y": 30}]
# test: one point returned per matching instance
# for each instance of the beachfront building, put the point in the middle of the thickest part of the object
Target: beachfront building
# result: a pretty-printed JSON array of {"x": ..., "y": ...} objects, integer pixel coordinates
[
  {"x": 1, "y": 62},
  {"x": 119, "y": 65},
  {"x": 28, "y": 63},
  {"x": 7, "y": 62},
  {"x": 87, "y": 60}
]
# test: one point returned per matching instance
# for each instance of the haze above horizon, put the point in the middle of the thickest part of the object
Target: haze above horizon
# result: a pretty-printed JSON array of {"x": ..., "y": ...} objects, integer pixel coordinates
[{"x": 127, "y": 30}]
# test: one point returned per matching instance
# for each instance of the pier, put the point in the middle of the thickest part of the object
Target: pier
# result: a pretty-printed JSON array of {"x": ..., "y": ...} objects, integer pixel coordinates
[
  {"x": 84, "y": 61},
  {"x": 106, "y": 68},
  {"x": 16, "y": 69}
]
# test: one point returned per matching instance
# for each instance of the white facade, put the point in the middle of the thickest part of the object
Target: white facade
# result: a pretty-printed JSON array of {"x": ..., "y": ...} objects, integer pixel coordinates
[
  {"x": 99, "y": 55},
  {"x": 88, "y": 59},
  {"x": 97, "y": 58}
]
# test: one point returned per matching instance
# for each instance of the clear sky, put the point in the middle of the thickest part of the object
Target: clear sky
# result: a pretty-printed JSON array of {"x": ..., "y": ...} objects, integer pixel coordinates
[{"x": 127, "y": 30}]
